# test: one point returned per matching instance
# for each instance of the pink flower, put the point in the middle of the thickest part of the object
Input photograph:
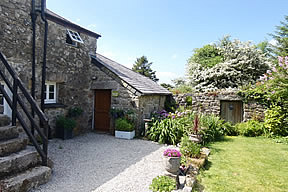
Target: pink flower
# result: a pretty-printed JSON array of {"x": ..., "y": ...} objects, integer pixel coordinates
[
  {"x": 172, "y": 153},
  {"x": 280, "y": 59},
  {"x": 286, "y": 60}
]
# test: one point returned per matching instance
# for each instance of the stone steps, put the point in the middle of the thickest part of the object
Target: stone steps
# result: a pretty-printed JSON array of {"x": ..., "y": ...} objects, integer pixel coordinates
[
  {"x": 26, "y": 180},
  {"x": 20, "y": 168},
  {"x": 8, "y": 132},
  {"x": 13, "y": 145},
  {"x": 18, "y": 162},
  {"x": 4, "y": 120}
]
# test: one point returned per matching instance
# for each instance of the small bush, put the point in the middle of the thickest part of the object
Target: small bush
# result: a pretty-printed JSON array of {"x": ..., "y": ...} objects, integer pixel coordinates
[
  {"x": 65, "y": 122},
  {"x": 211, "y": 128},
  {"x": 163, "y": 184},
  {"x": 75, "y": 112},
  {"x": 229, "y": 129},
  {"x": 276, "y": 121},
  {"x": 122, "y": 124},
  {"x": 188, "y": 148},
  {"x": 167, "y": 131},
  {"x": 250, "y": 128},
  {"x": 188, "y": 100}
]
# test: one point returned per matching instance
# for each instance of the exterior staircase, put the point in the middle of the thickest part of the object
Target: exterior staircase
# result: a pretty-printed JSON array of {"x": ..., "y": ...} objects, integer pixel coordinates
[{"x": 20, "y": 164}]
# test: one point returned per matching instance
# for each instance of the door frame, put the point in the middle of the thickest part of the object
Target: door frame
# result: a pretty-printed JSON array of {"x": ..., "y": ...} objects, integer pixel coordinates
[{"x": 94, "y": 108}]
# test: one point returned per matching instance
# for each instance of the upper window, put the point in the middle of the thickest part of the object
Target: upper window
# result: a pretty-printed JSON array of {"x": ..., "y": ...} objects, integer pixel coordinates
[
  {"x": 50, "y": 92},
  {"x": 73, "y": 37}
]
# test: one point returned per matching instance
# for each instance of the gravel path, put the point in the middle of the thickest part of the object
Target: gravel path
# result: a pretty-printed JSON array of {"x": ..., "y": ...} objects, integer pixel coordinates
[{"x": 103, "y": 163}]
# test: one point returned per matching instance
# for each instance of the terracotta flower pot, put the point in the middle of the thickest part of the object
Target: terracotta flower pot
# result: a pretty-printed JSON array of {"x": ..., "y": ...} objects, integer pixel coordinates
[{"x": 172, "y": 164}]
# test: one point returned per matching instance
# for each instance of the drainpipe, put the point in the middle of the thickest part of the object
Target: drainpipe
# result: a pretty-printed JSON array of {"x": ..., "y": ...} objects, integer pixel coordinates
[
  {"x": 43, "y": 17},
  {"x": 33, "y": 17}
]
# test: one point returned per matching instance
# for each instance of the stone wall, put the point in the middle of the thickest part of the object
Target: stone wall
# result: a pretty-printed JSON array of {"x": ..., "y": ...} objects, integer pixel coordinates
[
  {"x": 210, "y": 103},
  {"x": 67, "y": 65}
]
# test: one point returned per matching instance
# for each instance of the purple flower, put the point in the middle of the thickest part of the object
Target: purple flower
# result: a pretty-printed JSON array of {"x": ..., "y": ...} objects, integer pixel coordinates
[{"x": 280, "y": 59}]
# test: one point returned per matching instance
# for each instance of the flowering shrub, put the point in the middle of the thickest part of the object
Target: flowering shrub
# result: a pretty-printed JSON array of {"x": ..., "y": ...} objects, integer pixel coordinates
[
  {"x": 272, "y": 91},
  {"x": 242, "y": 63},
  {"x": 172, "y": 153}
]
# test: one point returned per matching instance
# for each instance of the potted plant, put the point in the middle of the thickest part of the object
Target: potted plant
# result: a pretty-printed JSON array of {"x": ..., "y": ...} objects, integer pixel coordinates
[
  {"x": 124, "y": 129},
  {"x": 172, "y": 160},
  {"x": 64, "y": 127}
]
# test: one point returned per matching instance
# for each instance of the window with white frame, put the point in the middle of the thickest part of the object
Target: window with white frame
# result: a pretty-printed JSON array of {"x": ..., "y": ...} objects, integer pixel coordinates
[
  {"x": 73, "y": 37},
  {"x": 50, "y": 92}
]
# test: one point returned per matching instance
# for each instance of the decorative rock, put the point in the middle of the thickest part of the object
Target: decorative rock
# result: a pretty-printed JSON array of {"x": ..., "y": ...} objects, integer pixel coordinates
[
  {"x": 206, "y": 151},
  {"x": 190, "y": 181}
]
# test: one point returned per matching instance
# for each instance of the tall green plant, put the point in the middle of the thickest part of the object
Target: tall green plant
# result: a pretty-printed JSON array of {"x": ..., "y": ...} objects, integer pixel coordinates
[
  {"x": 211, "y": 128},
  {"x": 167, "y": 131}
]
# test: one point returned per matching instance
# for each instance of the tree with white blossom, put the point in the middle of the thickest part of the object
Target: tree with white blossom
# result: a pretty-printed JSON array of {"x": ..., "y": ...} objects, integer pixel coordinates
[{"x": 242, "y": 64}]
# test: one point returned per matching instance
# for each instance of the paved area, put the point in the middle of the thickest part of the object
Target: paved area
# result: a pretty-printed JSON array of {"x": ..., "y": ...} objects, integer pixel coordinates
[{"x": 100, "y": 163}]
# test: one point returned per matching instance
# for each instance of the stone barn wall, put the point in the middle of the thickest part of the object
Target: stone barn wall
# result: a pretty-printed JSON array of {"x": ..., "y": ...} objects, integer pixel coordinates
[
  {"x": 68, "y": 66},
  {"x": 210, "y": 103}
]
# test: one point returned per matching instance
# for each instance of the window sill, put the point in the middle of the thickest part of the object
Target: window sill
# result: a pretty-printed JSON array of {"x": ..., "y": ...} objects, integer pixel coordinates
[{"x": 54, "y": 105}]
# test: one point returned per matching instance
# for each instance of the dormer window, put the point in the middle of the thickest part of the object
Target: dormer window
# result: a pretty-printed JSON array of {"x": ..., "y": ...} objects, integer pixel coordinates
[{"x": 73, "y": 37}]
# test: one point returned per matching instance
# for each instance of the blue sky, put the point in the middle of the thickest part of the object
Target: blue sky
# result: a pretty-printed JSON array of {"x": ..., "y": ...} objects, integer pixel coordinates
[{"x": 167, "y": 31}]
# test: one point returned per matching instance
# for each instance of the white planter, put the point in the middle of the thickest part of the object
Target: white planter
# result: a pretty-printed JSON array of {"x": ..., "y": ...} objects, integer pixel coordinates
[{"x": 125, "y": 134}]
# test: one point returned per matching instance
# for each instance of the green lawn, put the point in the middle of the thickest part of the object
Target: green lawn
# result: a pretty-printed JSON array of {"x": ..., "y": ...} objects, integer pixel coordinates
[{"x": 246, "y": 164}]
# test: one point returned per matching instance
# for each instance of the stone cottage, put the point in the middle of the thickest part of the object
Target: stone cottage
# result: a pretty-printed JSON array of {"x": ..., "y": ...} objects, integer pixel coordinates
[
  {"x": 49, "y": 65},
  {"x": 76, "y": 75}
]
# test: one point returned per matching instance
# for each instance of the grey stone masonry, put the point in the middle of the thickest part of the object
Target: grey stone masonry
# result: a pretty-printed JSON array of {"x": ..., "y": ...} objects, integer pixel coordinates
[{"x": 209, "y": 102}]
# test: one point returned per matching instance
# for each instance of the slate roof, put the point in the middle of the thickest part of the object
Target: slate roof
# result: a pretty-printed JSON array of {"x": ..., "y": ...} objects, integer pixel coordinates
[
  {"x": 50, "y": 15},
  {"x": 139, "y": 82}
]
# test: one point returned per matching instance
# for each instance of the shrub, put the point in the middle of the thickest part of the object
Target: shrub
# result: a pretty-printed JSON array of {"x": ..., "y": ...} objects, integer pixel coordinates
[
  {"x": 229, "y": 129},
  {"x": 188, "y": 148},
  {"x": 122, "y": 124},
  {"x": 65, "y": 122},
  {"x": 167, "y": 131},
  {"x": 75, "y": 112},
  {"x": 211, "y": 128},
  {"x": 250, "y": 128},
  {"x": 272, "y": 91},
  {"x": 163, "y": 184},
  {"x": 276, "y": 121},
  {"x": 188, "y": 100}
]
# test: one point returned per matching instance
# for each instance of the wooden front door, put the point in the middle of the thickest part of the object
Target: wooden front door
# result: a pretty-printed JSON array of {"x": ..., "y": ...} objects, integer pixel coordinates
[
  {"x": 102, "y": 110},
  {"x": 232, "y": 111}
]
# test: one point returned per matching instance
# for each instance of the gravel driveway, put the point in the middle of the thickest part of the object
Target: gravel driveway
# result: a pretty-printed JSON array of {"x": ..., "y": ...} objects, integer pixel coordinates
[{"x": 100, "y": 162}]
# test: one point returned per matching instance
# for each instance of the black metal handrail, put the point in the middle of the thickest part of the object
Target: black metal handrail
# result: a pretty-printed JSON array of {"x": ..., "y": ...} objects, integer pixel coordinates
[{"x": 18, "y": 85}]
